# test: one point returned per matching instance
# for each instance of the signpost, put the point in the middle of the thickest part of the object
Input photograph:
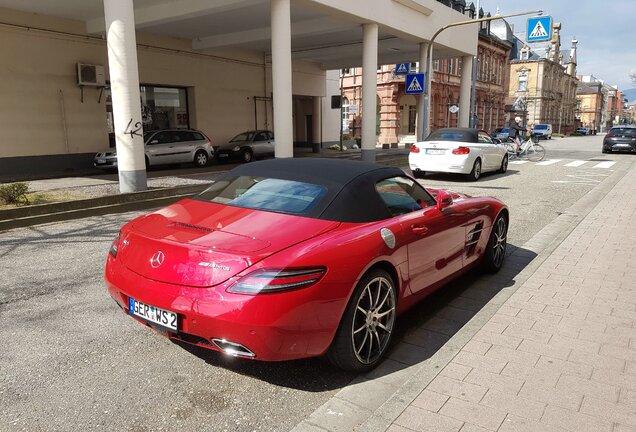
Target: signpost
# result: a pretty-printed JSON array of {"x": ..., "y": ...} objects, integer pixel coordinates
[
  {"x": 415, "y": 83},
  {"x": 401, "y": 68},
  {"x": 539, "y": 29}
]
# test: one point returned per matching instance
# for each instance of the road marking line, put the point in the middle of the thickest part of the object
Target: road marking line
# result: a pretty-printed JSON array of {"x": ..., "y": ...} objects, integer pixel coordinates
[
  {"x": 605, "y": 164},
  {"x": 549, "y": 162},
  {"x": 518, "y": 162},
  {"x": 576, "y": 163}
]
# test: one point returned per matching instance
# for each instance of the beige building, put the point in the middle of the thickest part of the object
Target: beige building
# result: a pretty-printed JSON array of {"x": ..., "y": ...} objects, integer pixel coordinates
[
  {"x": 543, "y": 89},
  {"x": 205, "y": 65}
]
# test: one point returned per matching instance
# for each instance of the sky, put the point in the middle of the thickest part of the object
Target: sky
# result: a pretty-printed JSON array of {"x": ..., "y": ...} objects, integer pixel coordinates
[{"x": 606, "y": 31}]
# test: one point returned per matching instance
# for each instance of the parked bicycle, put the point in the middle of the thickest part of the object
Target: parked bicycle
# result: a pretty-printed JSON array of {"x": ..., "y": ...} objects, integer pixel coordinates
[{"x": 529, "y": 149}]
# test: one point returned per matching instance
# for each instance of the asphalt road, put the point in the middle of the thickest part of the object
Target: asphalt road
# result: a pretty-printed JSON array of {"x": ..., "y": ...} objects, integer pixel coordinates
[{"x": 70, "y": 359}]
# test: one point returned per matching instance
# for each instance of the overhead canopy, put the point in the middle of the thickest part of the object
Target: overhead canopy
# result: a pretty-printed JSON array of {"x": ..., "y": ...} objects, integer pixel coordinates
[{"x": 327, "y": 32}]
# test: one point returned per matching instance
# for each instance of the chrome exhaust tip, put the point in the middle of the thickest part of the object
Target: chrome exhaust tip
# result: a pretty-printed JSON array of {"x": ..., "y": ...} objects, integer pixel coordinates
[{"x": 232, "y": 348}]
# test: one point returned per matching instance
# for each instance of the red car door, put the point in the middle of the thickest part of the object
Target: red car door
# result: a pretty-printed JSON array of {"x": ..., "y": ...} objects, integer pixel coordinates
[{"x": 435, "y": 238}]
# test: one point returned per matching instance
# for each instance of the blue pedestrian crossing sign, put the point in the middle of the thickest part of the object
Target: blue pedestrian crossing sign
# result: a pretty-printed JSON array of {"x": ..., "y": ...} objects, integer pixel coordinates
[
  {"x": 539, "y": 29},
  {"x": 415, "y": 83},
  {"x": 401, "y": 68}
]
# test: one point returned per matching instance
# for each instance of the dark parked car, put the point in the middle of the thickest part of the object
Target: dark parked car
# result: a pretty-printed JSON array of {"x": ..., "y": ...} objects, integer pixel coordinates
[
  {"x": 620, "y": 139},
  {"x": 583, "y": 131},
  {"x": 247, "y": 146},
  {"x": 167, "y": 146}
]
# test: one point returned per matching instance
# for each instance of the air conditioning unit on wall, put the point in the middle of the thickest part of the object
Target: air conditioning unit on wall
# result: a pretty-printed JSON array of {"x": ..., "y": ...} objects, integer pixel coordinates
[{"x": 90, "y": 75}]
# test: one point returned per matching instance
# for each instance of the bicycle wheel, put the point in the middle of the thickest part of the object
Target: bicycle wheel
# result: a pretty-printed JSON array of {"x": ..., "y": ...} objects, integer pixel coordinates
[
  {"x": 510, "y": 148},
  {"x": 535, "y": 153}
]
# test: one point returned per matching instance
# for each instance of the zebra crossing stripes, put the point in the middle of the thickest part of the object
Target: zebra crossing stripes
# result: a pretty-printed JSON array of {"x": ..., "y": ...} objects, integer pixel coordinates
[
  {"x": 606, "y": 164},
  {"x": 576, "y": 163},
  {"x": 573, "y": 164},
  {"x": 549, "y": 162}
]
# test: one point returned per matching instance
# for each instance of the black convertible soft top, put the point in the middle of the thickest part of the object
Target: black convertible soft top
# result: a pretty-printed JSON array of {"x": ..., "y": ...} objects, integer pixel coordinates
[{"x": 351, "y": 195}]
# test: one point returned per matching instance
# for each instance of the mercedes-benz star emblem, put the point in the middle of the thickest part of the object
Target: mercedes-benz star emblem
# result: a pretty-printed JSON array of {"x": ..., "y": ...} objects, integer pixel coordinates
[{"x": 157, "y": 259}]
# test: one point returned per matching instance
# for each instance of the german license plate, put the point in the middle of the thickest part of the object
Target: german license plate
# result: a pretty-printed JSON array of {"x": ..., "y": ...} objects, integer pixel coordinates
[
  {"x": 223, "y": 155},
  {"x": 435, "y": 151},
  {"x": 153, "y": 314}
]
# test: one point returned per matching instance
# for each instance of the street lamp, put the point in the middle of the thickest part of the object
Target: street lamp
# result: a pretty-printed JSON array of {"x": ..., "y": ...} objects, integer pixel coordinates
[{"x": 429, "y": 60}]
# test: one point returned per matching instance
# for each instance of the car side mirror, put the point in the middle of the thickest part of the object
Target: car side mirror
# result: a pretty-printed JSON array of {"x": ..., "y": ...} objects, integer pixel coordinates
[{"x": 444, "y": 199}]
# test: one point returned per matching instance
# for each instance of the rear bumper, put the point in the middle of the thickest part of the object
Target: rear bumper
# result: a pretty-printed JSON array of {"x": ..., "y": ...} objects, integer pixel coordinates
[
  {"x": 620, "y": 147},
  {"x": 273, "y": 327},
  {"x": 456, "y": 164}
]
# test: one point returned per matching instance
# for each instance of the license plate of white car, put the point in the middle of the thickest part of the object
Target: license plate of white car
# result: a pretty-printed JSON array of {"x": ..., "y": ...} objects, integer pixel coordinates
[
  {"x": 435, "y": 151},
  {"x": 153, "y": 314}
]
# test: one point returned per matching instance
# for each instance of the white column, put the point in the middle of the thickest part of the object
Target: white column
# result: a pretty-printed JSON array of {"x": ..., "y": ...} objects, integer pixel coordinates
[
  {"x": 369, "y": 89},
  {"x": 316, "y": 118},
  {"x": 421, "y": 100},
  {"x": 124, "y": 84},
  {"x": 464, "y": 91},
  {"x": 282, "y": 78}
]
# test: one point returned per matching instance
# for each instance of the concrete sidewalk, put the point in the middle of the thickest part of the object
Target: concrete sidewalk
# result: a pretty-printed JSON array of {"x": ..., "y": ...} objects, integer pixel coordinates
[{"x": 553, "y": 351}]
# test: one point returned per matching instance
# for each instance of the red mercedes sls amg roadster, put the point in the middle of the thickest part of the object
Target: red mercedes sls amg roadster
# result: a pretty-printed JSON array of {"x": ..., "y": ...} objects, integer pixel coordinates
[{"x": 291, "y": 258}]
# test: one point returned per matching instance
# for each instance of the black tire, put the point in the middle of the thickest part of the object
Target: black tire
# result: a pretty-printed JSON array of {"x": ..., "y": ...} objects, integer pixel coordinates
[
  {"x": 368, "y": 320},
  {"x": 604, "y": 151},
  {"x": 476, "y": 171},
  {"x": 418, "y": 174},
  {"x": 536, "y": 153},
  {"x": 247, "y": 156},
  {"x": 504, "y": 165},
  {"x": 495, "y": 252},
  {"x": 201, "y": 158}
]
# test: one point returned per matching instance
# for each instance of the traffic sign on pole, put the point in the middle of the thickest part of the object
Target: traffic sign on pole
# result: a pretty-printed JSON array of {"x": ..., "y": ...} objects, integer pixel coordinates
[
  {"x": 415, "y": 83},
  {"x": 401, "y": 68},
  {"x": 539, "y": 29}
]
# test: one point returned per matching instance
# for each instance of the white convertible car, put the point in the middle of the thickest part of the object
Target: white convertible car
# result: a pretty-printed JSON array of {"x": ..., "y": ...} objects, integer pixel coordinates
[{"x": 458, "y": 150}]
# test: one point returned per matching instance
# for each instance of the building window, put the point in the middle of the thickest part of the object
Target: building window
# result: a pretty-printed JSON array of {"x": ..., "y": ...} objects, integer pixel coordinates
[
  {"x": 345, "y": 71},
  {"x": 161, "y": 108},
  {"x": 523, "y": 83},
  {"x": 345, "y": 115}
]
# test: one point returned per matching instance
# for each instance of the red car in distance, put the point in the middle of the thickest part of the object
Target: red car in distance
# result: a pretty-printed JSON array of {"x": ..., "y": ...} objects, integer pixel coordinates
[{"x": 291, "y": 258}]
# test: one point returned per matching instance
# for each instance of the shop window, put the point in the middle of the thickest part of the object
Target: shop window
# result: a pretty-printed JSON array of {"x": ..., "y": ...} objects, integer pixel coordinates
[{"x": 161, "y": 108}]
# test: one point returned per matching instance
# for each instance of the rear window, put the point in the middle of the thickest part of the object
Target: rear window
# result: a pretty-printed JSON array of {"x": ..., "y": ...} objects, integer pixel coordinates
[
  {"x": 541, "y": 127},
  {"x": 623, "y": 131},
  {"x": 440, "y": 135},
  {"x": 260, "y": 193}
]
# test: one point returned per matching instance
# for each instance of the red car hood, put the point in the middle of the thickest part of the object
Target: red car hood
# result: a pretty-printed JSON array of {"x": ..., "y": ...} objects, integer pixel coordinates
[{"x": 204, "y": 244}]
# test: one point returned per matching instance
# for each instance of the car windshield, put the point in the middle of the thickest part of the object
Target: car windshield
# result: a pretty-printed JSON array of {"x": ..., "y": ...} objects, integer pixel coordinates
[
  {"x": 245, "y": 136},
  {"x": 441, "y": 135},
  {"x": 623, "y": 131},
  {"x": 541, "y": 127},
  {"x": 260, "y": 193}
]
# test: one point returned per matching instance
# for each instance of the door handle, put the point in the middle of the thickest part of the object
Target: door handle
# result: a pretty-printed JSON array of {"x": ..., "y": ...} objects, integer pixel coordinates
[{"x": 419, "y": 229}]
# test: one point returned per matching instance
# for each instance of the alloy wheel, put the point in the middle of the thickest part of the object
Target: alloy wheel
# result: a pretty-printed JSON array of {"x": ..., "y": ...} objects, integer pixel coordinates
[
  {"x": 373, "y": 320},
  {"x": 499, "y": 244}
]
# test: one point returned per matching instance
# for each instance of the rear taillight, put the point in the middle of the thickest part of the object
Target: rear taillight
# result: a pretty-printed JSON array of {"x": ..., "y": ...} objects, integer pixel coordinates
[
  {"x": 114, "y": 247},
  {"x": 274, "y": 280},
  {"x": 461, "y": 151},
  {"x": 415, "y": 149},
  {"x": 610, "y": 136}
]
